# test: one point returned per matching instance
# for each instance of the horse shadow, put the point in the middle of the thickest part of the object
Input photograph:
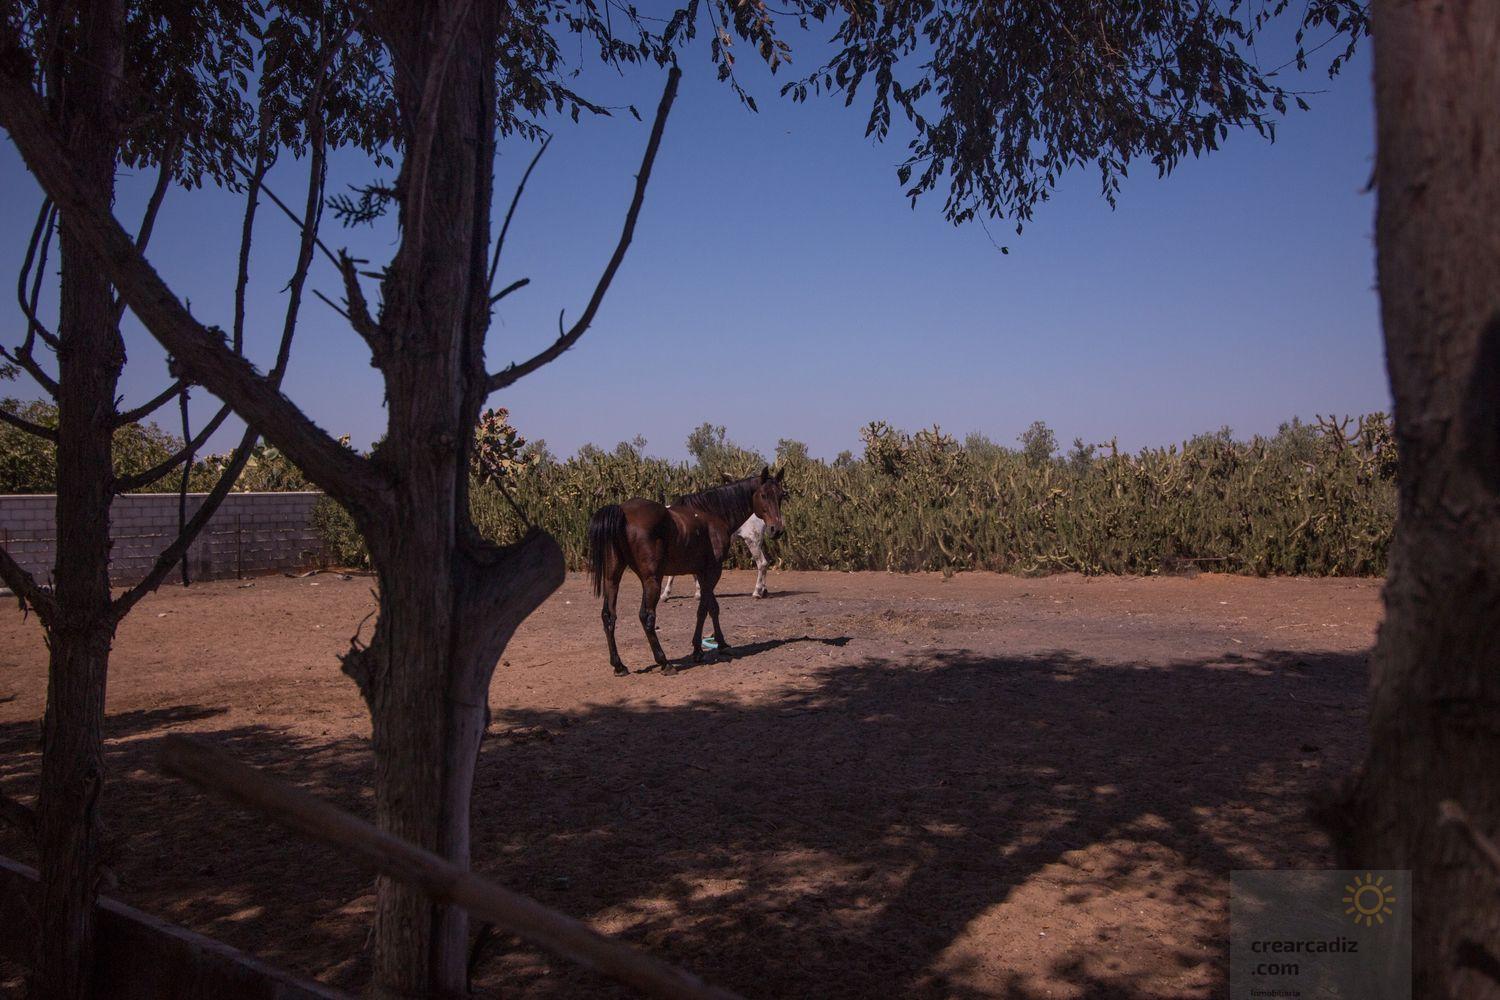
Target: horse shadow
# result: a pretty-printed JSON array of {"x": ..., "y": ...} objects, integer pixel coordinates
[
  {"x": 746, "y": 651},
  {"x": 770, "y": 595}
]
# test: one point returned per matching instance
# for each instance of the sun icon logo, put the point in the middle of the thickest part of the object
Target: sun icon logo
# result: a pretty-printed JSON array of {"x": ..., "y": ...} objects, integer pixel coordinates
[{"x": 1369, "y": 900}]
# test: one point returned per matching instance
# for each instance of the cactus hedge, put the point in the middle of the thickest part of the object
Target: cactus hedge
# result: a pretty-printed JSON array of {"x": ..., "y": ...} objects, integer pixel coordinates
[{"x": 1312, "y": 500}]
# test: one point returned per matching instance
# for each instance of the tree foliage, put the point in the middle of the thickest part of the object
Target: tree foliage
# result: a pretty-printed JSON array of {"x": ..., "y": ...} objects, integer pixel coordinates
[
  {"x": 997, "y": 101},
  {"x": 715, "y": 455},
  {"x": 1004, "y": 98},
  {"x": 1038, "y": 443},
  {"x": 28, "y": 464},
  {"x": 203, "y": 82}
]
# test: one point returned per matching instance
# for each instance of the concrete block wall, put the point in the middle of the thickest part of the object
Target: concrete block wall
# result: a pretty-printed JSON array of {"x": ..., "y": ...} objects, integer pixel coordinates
[{"x": 250, "y": 533}]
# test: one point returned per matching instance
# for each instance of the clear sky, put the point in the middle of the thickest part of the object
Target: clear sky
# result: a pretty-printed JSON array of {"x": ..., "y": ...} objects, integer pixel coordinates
[{"x": 780, "y": 284}]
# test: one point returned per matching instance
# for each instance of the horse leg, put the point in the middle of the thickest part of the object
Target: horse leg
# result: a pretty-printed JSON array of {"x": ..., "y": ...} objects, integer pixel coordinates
[
  {"x": 708, "y": 606},
  {"x": 611, "y": 594},
  {"x": 666, "y": 587},
  {"x": 698, "y": 629},
  {"x": 713, "y": 612},
  {"x": 754, "y": 542},
  {"x": 650, "y": 594}
]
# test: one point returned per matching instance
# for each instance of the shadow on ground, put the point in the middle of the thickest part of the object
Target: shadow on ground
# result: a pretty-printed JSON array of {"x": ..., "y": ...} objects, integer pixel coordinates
[
  {"x": 881, "y": 830},
  {"x": 724, "y": 655}
]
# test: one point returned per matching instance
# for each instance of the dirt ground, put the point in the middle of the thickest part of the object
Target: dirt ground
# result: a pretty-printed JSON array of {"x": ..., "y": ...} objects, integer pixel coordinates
[{"x": 898, "y": 785}]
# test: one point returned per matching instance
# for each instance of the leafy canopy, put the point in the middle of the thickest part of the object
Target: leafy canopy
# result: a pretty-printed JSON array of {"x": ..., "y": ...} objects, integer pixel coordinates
[
  {"x": 1002, "y": 97},
  {"x": 999, "y": 98}
]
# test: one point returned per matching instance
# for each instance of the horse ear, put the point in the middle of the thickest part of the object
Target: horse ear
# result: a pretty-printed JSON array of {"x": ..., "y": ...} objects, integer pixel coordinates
[
  {"x": 765, "y": 473},
  {"x": 778, "y": 474}
]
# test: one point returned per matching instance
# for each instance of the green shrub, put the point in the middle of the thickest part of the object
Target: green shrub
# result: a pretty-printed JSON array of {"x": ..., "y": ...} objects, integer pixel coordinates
[
  {"x": 1311, "y": 499},
  {"x": 28, "y": 464},
  {"x": 1315, "y": 501},
  {"x": 267, "y": 470},
  {"x": 341, "y": 542}
]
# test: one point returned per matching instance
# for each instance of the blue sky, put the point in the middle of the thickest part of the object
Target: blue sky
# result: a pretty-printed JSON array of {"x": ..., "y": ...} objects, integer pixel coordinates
[{"x": 781, "y": 285}]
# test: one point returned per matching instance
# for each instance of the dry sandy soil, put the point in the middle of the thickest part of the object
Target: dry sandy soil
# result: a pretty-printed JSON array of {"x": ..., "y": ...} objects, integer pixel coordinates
[{"x": 898, "y": 785}]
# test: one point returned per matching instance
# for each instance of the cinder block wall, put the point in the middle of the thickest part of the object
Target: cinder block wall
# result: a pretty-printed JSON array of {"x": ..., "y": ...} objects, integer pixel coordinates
[{"x": 250, "y": 533}]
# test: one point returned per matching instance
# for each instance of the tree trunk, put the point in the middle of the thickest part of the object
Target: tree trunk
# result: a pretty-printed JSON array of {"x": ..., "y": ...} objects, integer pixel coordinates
[
  {"x": 1435, "y": 712},
  {"x": 448, "y": 601},
  {"x": 419, "y": 947},
  {"x": 90, "y": 357},
  {"x": 446, "y": 613}
]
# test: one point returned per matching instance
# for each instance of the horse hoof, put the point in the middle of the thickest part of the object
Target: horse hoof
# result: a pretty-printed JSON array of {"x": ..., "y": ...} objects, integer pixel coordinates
[
  {"x": 697, "y": 656},
  {"x": 621, "y": 670},
  {"x": 668, "y": 670},
  {"x": 761, "y": 593}
]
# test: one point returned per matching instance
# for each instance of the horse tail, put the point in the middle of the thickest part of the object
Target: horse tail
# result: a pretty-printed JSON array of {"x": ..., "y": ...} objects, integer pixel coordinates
[{"x": 606, "y": 532}]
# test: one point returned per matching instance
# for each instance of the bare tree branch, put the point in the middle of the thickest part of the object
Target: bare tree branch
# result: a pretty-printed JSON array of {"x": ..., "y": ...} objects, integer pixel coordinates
[
  {"x": 151, "y": 406},
  {"x": 144, "y": 236},
  {"x": 312, "y": 215},
  {"x": 144, "y": 478},
  {"x": 357, "y": 311},
  {"x": 307, "y": 224},
  {"x": 22, "y": 424},
  {"x": 158, "y": 195},
  {"x": 189, "y": 534},
  {"x": 201, "y": 353},
  {"x": 510, "y": 212},
  {"x": 187, "y": 474},
  {"x": 333, "y": 305},
  {"x": 247, "y": 228},
  {"x": 317, "y": 175},
  {"x": 41, "y": 236},
  {"x": 153, "y": 206},
  {"x": 514, "y": 286},
  {"x": 22, "y": 357},
  {"x": 296, "y": 219},
  {"x": 27, "y": 590},
  {"x": 567, "y": 338}
]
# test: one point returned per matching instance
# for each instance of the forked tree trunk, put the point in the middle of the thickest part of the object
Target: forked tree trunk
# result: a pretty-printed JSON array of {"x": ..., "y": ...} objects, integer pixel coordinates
[
  {"x": 446, "y": 613},
  {"x": 1435, "y": 713},
  {"x": 448, "y": 600},
  {"x": 90, "y": 357}
]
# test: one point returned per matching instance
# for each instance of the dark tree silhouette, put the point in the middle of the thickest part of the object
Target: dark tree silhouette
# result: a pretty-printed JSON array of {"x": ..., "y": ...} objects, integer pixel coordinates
[
  {"x": 155, "y": 86},
  {"x": 1436, "y": 670}
]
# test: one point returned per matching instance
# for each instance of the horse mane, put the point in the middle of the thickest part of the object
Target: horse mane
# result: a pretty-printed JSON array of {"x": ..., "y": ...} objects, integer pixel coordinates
[{"x": 730, "y": 501}]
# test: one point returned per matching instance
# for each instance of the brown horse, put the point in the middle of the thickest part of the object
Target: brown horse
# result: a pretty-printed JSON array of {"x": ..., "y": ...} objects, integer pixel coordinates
[{"x": 691, "y": 536}]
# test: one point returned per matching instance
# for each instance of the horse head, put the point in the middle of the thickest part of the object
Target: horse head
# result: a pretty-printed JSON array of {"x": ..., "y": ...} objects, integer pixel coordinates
[{"x": 766, "y": 501}]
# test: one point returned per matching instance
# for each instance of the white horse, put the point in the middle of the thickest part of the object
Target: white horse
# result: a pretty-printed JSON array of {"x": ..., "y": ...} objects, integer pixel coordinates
[{"x": 753, "y": 532}]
